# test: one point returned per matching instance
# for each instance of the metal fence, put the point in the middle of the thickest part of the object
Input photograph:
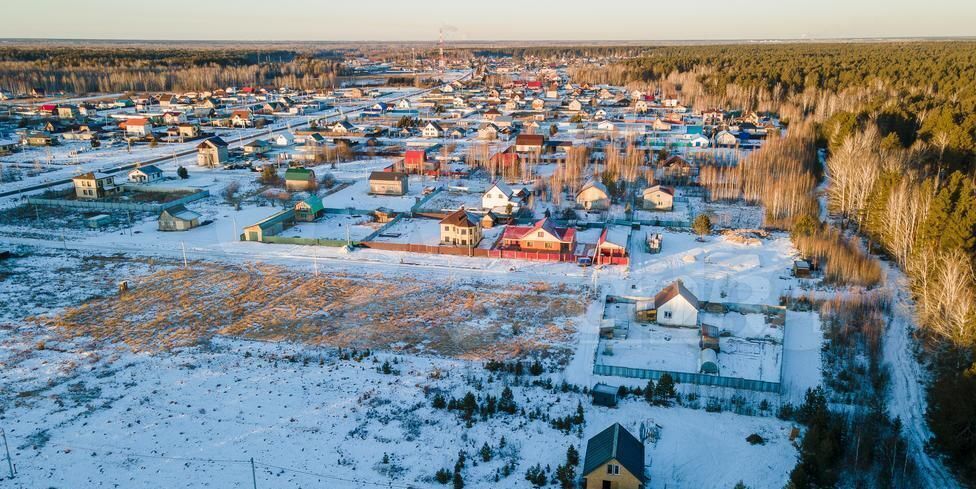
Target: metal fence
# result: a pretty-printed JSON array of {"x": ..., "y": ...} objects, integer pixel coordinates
[
  {"x": 688, "y": 378},
  {"x": 336, "y": 243},
  {"x": 108, "y": 206}
]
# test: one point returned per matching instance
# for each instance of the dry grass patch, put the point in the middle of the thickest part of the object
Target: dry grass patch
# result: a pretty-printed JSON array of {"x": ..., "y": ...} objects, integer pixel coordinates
[{"x": 182, "y": 307}]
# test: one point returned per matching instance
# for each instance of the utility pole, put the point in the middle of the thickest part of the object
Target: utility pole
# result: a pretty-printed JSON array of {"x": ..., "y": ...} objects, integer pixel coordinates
[
  {"x": 10, "y": 464},
  {"x": 183, "y": 245},
  {"x": 254, "y": 477}
]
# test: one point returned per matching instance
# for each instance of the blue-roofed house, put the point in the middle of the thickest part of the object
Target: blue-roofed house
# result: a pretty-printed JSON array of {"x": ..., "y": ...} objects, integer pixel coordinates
[{"x": 614, "y": 460}]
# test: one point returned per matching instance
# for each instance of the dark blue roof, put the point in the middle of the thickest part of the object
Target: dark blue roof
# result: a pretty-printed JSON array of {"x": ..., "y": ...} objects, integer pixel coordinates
[{"x": 617, "y": 443}]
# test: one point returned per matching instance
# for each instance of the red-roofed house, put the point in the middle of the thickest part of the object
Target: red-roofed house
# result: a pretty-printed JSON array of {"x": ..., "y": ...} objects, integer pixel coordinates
[
  {"x": 543, "y": 236},
  {"x": 138, "y": 127},
  {"x": 419, "y": 161}
]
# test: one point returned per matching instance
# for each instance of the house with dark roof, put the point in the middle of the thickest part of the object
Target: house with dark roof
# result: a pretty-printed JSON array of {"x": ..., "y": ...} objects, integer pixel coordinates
[
  {"x": 614, "y": 460},
  {"x": 676, "y": 306},
  {"x": 460, "y": 229},
  {"x": 529, "y": 143},
  {"x": 212, "y": 152},
  {"x": 388, "y": 183},
  {"x": 145, "y": 174}
]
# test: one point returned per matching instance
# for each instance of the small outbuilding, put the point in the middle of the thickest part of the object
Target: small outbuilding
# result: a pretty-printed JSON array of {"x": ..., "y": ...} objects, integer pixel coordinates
[
  {"x": 178, "y": 218},
  {"x": 604, "y": 395},
  {"x": 801, "y": 269},
  {"x": 708, "y": 362}
]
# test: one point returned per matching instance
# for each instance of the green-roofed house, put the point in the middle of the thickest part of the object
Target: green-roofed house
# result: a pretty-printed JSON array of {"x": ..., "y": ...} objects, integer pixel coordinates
[
  {"x": 309, "y": 209},
  {"x": 299, "y": 179},
  {"x": 614, "y": 460}
]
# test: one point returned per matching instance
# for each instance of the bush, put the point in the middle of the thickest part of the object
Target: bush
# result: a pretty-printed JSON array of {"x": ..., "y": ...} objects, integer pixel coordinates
[
  {"x": 443, "y": 476},
  {"x": 755, "y": 439}
]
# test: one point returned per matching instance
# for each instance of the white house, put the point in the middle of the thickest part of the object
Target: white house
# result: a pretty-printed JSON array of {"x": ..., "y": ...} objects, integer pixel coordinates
[
  {"x": 659, "y": 198},
  {"x": 499, "y": 197},
  {"x": 145, "y": 174},
  {"x": 726, "y": 138},
  {"x": 676, "y": 306},
  {"x": 403, "y": 104},
  {"x": 284, "y": 139},
  {"x": 433, "y": 130},
  {"x": 593, "y": 196}
]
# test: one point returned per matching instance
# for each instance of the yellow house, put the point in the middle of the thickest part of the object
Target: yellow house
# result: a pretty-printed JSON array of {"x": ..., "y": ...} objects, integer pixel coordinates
[
  {"x": 614, "y": 460},
  {"x": 593, "y": 195},
  {"x": 460, "y": 229}
]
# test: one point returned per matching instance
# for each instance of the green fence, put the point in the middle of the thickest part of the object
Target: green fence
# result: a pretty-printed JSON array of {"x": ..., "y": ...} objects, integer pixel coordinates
[
  {"x": 336, "y": 243},
  {"x": 687, "y": 378}
]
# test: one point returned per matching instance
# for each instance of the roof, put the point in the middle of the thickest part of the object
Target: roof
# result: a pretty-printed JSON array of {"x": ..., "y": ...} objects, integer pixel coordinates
[
  {"x": 605, "y": 389},
  {"x": 676, "y": 160},
  {"x": 565, "y": 235},
  {"x": 314, "y": 203},
  {"x": 616, "y": 235},
  {"x": 387, "y": 175},
  {"x": 302, "y": 174},
  {"x": 92, "y": 176},
  {"x": 671, "y": 291},
  {"x": 615, "y": 443},
  {"x": 460, "y": 218},
  {"x": 661, "y": 188},
  {"x": 216, "y": 141},
  {"x": 182, "y": 213},
  {"x": 594, "y": 184},
  {"x": 530, "y": 140},
  {"x": 435, "y": 124},
  {"x": 505, "y": 189},
  {"x": 149, "y": 170}
]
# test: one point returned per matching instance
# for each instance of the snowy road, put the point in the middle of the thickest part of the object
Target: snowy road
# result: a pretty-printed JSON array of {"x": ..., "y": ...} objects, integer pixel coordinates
[{"x": 906, "y": 399}]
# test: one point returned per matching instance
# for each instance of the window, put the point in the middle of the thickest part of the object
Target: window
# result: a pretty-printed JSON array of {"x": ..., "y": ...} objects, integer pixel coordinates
[
  {"x": 613, "y": 469},
  {"x": 667, "y": 314},
  {"x": 540, "y": 234}
]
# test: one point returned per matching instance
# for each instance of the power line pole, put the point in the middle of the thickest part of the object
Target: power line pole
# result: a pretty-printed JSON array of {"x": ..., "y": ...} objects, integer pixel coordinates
[
  {"x": 10, "y": 464},
  {"x": 183, "y": 246},
  {"x": 254, "y": 477}
]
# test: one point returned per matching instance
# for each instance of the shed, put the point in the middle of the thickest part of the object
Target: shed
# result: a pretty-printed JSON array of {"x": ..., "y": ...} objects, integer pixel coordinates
[
  {"x": 178, "y": 218},
  {"x": 709, "y": 338},
  {"x": 604, "y": 395},
  {"x": 801, "y": 269},
  {"x": 309, "y": 209},
  {"x": 99, "y": 221},
  {"x": 708, "y": 362}
]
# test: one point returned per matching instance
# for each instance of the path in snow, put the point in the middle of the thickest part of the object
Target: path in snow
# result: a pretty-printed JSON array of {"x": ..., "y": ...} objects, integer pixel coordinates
[{"x": 906, "y": 399}]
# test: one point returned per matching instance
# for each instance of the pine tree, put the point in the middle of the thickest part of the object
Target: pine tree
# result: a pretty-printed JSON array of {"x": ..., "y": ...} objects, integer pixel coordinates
[
  {"x": 572, "y": 456},
  {"x": 649, "y": 392},
  {"x": 486, "y": 452},
  {"x": 506, "y": 403},
  {"x": 664, "y": 391},
  {"x": 182, "y": 173}
]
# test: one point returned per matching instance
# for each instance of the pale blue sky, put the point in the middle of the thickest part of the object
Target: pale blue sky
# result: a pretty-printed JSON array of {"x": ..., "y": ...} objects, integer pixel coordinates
[{"x": 412, "y": 20}]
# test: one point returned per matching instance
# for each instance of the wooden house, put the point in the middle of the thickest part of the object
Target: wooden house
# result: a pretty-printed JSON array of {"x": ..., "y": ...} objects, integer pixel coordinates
[
  {"x": 309, "y": 209},
  {"x": 543, "y": 236},
  {"x": 676, "y": 306},
  {"x": 94, "y": 185},
  {"x": 212, "y": 152},
  {"x": 658, "y": 198},
  {"x": 593, "y": 196},
  {"x": 387, "y": 183},
  {"x": 614, "y": 460},
  {"x": 299, "y": 179},
  {"x": 145, "y": 174}
]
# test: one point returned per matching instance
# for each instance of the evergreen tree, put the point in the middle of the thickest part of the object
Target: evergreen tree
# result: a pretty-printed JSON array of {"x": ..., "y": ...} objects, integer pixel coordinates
[
  {"x": 664, "y": 391},
  {"x": 182, "y": 173},
  {"x": 572, "y": 456},
  {"x": 486, "y": 452},
  {"x": 506, "y": 403},
  {"x": 649, "y": 392}
]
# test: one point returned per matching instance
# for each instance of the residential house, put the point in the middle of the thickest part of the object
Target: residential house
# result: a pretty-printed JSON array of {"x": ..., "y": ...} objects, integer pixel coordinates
[
  {"x": 388, "y": 183},
  {"x": 145, "y": 174},
  {"x": 36, "y": 138},
  {"x": 178, "y": 218},
  {"x": 501, "y": 199},
  {"x": 299, "y": 179},
  {"x": 640, "y": 106},
  {"x": 614, "y": 460},
  {"x": 612, "y": 246},
  {"x": 284, "y": 139},
  {"x": 460, "y": 229},
  {"x": 529, "y": 143},
  {"x": 575, "y": 105},
  {"x": 543, "y": 236},
  {"x": 726, "y": 138},
  {"x": 68, "y": 111},
  {"x": 675, "y": 169},
  {"x": 676, "y": 306},
  {"x": 212, "y": 152},
  {"x": 660, "y": 125},
  {"x": 242, "y": 118},
  {"x": 593, "y": 196},
  {"x": 343, "y": 127},
  {"x": 433, "y": 130},
  {"x": 488, "y": 132},
  {"x": 137, "y": 127},
  {"x": 94, "y": 185},
  {"x": 308, "y": 209},
  {"x": 257, "y": 147},
  {"x": 419, "y": 161},
  {"x": 658, "y": 198}
]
